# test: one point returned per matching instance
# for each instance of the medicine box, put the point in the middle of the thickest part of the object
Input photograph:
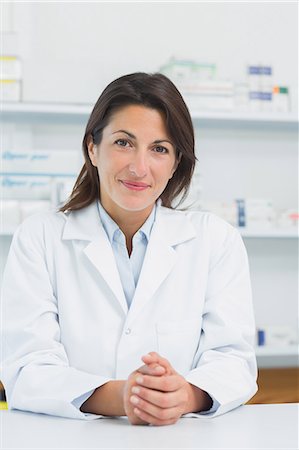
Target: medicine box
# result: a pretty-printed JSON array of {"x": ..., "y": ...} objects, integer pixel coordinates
[{"x": 41, "y": 162}]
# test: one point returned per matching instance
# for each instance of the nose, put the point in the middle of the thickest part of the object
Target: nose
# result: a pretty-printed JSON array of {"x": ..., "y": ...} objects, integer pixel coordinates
[{"x": 139, "y": 165}]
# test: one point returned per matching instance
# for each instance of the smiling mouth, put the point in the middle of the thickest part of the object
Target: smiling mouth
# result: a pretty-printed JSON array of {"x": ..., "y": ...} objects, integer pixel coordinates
[{"x": 134, "y": 185}]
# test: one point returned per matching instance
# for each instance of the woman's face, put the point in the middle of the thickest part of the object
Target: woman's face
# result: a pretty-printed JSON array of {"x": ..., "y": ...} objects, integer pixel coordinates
[{"x": 135, "y": 160}]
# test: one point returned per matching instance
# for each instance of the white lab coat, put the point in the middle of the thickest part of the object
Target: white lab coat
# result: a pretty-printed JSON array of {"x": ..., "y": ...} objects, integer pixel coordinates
[{"x": 67, "y": 328}]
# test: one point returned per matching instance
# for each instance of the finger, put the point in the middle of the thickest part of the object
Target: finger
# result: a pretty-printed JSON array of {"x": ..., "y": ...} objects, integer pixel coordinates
[
  {"x": 153, "y": 410},
  {"x": 158, "y": 398},
  {"x": 152, "y": 369},
  {"x": 153, "y": 420},
  {"x": 165, "y": 383},
  {"x": 154, "y": 357}
]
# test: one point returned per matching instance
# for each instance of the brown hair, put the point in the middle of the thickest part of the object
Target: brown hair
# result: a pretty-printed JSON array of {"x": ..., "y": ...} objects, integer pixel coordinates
[{"x": 154, "y": 91}]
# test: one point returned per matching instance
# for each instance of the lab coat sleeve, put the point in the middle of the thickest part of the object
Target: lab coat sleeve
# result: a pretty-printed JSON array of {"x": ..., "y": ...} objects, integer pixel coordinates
[
  {"x": 225, "y": 362},
  {"x": 35, "y": 370}
]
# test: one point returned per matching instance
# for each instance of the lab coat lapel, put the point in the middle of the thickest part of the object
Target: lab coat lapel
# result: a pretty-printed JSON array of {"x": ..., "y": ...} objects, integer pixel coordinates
[
  {"x": 85, "y": 224},
  {"x": 101, "y": 256},
  {"x": 170, "y": 229}
]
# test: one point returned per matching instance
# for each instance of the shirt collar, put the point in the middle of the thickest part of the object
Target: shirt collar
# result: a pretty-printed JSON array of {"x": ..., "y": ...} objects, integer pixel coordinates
[{"x": 111, "y": 227}]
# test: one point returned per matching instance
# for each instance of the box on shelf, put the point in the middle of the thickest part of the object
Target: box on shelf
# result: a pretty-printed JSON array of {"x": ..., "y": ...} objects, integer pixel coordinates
[
  {"x": 254, "y": 214},
  {"x": 10, "y": 214},
  {"x": 57, "y": 189},
  {"x": 10, "y": 90},
  {"x": 259, "y": 213},
  {"x": 198, "y": 85},
  {"x": 281, "y": 99},
  {"x": 264, "y": 95},
  {"x": 43, "y": 162},
  {"x": 25, "y": 188},
  {"x": 198, "y": 102},
  {"x": 210, "y": 95},
  {"x": 226, "y": 210},
  {"x": 13, "y": 212},
  {"x": 61, "y": 190},
  {"x": 27, "y": 208},
  {"x": 276, "y": 335},
  {"x": 241, "y": 96},
  {"x": 10, "y": 67},
  {"x": 260, "y": 87},
  {"x": 10, "y": 78},
  {"x": 186, "y": 69},
  {"x": 288, "y": 218}
]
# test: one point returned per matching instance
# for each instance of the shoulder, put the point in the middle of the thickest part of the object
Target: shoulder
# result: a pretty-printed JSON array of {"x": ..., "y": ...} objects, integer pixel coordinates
[
  {"x": 202, "y": 221},
  {"x": 200, "y": 229},
  {"x": 56, "y": 225},
  {"x": 40, "y": 224}
]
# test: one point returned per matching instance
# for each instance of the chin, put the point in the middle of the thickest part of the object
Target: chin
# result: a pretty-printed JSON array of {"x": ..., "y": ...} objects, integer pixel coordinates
[{"x": 135, "y": 206}]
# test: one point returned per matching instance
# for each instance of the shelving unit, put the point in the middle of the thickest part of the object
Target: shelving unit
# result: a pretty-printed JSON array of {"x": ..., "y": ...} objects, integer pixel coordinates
[{"x": 41, "y": 111}]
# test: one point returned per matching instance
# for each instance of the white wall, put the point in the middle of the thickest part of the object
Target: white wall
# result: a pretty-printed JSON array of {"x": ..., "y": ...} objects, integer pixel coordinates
[{"x": 71, "y": 50}]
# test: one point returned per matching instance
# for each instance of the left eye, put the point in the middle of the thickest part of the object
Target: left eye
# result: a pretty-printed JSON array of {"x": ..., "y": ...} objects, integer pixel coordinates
[{"x": 160, "y": 149}]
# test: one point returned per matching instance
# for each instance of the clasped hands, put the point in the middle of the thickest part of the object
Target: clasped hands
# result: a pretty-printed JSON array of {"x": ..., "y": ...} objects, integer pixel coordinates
[{"x": 156, "y": 394}]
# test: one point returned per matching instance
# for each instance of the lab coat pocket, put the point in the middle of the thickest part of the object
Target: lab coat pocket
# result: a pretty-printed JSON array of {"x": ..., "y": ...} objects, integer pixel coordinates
[{"x": 178, "y": 342}]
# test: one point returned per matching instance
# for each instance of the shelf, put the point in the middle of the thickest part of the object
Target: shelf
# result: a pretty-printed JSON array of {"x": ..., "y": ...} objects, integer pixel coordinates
[
  {"x": 205, "y": 117},
  {"x": 76, "y": 109},
  {"x": 7, "y": 232},
  {"x": 272, "y": 233},
  {"x": 247, "y": 117},
  {"x": 269, "y": 350}
]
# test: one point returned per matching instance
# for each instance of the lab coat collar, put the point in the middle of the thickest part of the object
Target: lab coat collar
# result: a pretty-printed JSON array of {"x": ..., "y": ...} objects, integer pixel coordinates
[
  {"x": 170, "y": 228},
  {"x": 83, "y": 224}
]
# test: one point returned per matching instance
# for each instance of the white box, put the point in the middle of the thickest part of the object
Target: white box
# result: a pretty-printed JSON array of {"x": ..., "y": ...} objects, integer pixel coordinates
[
  {"x": 27, "y": 208},
  {"x": 41, "y": 162},
  {"x": 10, "y": 90},
  {"x": 25, "y": 187},
  {"x": 11, "y": 68},
  {"x": 10, "y": 215}
]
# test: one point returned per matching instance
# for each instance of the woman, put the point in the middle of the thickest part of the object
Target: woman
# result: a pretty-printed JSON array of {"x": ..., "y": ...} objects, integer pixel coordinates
[{"x": 118, "y": 304}]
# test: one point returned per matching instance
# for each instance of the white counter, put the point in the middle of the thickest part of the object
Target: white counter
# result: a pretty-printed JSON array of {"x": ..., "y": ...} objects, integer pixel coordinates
[{"x": 247, "y": 427}]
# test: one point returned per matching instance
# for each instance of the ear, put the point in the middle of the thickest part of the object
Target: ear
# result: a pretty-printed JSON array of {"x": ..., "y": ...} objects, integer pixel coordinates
[{"x": 92, "y": 152}]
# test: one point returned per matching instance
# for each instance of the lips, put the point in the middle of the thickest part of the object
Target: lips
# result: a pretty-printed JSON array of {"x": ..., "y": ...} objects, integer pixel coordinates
[{"x": 134, "y": 185}]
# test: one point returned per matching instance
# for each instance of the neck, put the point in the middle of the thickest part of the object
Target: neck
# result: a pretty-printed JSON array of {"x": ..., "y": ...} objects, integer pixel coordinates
[{"x": 129, "y": 221}]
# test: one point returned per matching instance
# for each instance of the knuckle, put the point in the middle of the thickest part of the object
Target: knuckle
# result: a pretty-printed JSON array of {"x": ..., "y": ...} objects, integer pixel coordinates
[
  {"x": 164, "y": 401},
  {"x": 141, "y": 403},
  {"x": 163, "y": 414}
]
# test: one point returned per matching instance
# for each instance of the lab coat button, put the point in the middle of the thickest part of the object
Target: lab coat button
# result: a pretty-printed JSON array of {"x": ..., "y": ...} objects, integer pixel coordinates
[{"x": 128, "y": 331}]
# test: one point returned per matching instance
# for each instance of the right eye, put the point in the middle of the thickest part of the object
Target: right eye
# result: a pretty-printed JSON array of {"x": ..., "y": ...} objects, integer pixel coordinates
[{"x": 122, "y": 142}]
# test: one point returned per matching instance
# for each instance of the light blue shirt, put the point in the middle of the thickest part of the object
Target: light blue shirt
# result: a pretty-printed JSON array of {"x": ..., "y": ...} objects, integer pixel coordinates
[{"x": 129, "y": 267}]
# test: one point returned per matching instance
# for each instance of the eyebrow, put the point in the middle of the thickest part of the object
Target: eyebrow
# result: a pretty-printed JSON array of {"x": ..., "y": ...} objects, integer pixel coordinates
[{"x": 157, "y": 141}]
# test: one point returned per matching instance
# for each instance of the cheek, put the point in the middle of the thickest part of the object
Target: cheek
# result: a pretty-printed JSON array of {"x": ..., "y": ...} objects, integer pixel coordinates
[
  {"x": 109, "y": 167},
  {"x": 165, "y": 173}
]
